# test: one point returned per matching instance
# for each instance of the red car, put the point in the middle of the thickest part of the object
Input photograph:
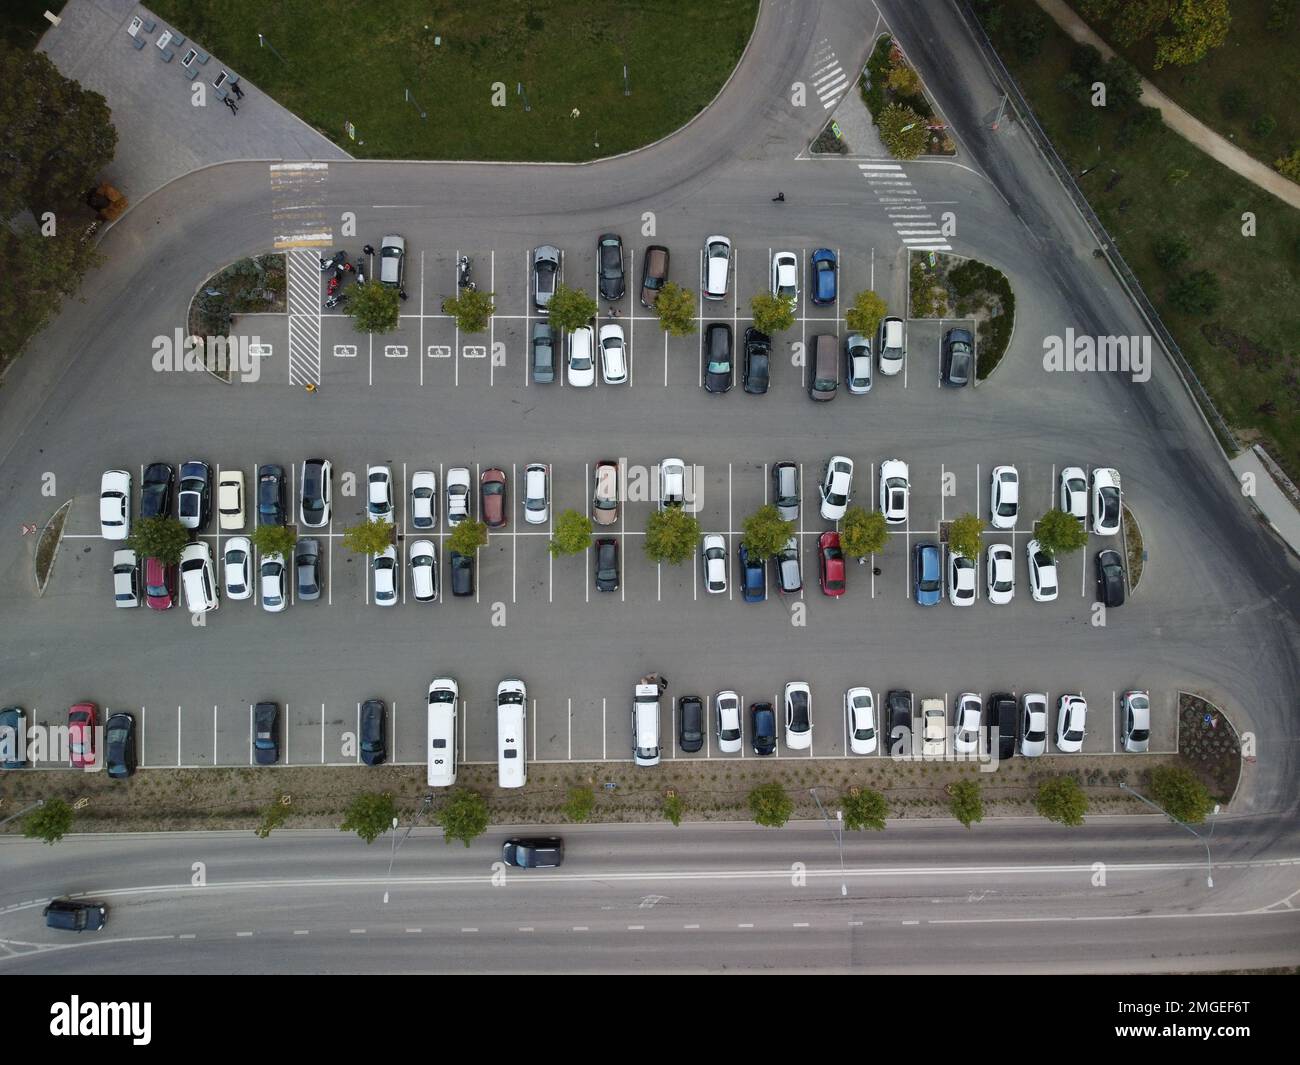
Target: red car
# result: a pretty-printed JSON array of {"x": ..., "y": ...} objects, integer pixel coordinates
[
  {"x": 159, "y": 584},
  {"x": 492, "y": 498},
  {"x": 830, "y": 563},
  {"x": 81, "y": 735}
]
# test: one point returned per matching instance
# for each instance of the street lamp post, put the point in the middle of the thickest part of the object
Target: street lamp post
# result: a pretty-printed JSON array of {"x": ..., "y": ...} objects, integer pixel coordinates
[
  {"x": 837, "y": 831},
  {"x": 424, "y": 807},
  {"x": 1204, "y": 840},
  {"x": 25, "y": 810}
]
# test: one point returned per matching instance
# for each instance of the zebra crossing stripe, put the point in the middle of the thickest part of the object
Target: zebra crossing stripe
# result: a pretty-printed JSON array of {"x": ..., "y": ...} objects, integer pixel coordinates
[{"x": 304, "y": 316}]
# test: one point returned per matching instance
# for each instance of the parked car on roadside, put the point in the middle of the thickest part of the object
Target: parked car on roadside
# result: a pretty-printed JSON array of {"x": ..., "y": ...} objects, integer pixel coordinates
[
  {"x": 690, "y": 728},
  {"x": 266, "y": 733},
  {"x": 609, "y": 266}
]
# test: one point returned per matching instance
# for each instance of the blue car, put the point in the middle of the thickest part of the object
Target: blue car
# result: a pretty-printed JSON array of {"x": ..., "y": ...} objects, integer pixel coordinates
[
  {"x": 823, "y": 271},
  {"x": 928, "y": 574},
  {"x": 753, "y": 577}
]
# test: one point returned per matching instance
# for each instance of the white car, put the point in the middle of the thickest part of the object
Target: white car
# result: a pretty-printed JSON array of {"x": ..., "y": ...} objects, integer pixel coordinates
[
  {"x": 379, "y": 493},
  {"x": 271, "y": 571},
  {"x": 672, "y": 483},
  {"x": 1033, "y": 724},
  {"x": 115, "y": 505},
  {"x": 961, "y": 579},
  {"x": 1074, "y": 493},
  {"x": 1105, "y": 501},
  {"x": 726, "y": 717},
  {"x": 423, "y": 557},
  {"x": 582, "y": 368},
  {"x": 1071, "y": 723},
  {"x": 717, "y": 267},
  {"x": 613, "y": 355},
  {"x": 237, "y": 563},
  {"x": 458, "y": 495},
  {"x": 537, "y": 494},
  {"x": 1136, "y": 734},
  {"x": 384, "y": 566},
  {"x": 934, "y": 728},
  {"x": 1004, "y": 497},
  {"x": 424, "y": 499},
  {"x": 1042, "y": 573},
  {"x": 197, "y": 579},
  {"x": 126, "y": 579},
  {"x": 966, "y": 724},
  {"x": 890, "y": 345},
  {"x": 230, "y": 499},
  {"x": 713, "y": 557},
  {"x": 836, "y": 488},
  {"x": 785, "y": 276},
  {"x": 798, "y": 716},
  {"x": 860, "y": 714},
  {"x": 1000, "y": 580},
  {"x": 894, "y": 491}
]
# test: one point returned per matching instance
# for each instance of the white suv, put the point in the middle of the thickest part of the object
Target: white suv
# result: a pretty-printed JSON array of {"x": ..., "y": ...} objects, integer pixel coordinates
[
  {"x": 1004, "y": 497},
  {"x": 613, "y": 354},
  {"x": 115, "y": 505},
  {"x": 717, "y": 267},
  {"x": 379, "y": 493},
  {"x": 890, "y": 347}
]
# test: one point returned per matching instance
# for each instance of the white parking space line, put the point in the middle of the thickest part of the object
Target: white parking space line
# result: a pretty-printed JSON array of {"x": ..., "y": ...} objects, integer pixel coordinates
[
  {"x": 422, "y": 349},
  {"x": 514, "y": 538},
  {"x": 604, "y": 733},
  {"x": 214, "y": 735},
  {"x": 569, "y": 703},
  {"x": 731, "y": 554},
  {"x": 250, "y": 733},
  {"x": 492, "y": 320},
  {"x": 178, "y": 735}
]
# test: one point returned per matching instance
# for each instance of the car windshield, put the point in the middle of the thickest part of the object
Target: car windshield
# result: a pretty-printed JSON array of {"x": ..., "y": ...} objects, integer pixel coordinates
[{"x": 580, "y": 362}]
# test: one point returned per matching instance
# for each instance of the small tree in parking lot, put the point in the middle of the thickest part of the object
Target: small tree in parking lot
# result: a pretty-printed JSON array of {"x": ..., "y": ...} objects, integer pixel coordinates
[
  {"x": 676, "y": 309},
  {"x": 570, "y": 308},
  {"x": 275, "y": 539},
  {"x": 1061, "y": 799},
  {"x": 372, "y": 307},
  {"x": 1182, "y": 796},
  {"x": 904, "y": 132},
  {"x": 471, "y": 308},
  {"x": 368, "y": 537},
  {"x": 370, "y": 815},
  {"x": 765, "y": 533},
  {"x": 671, "y": 535},
  {"x": 464, "y": 816},
  {"x": 467, "y": 537},
  {"x": 572, "y": 534},
  {"x": 772, "y": 314},
  {"x": 866, "y": 809},
  {"x": 162, "y": 538},
  {"x": 770, "y": 804},
  {"x": 863, "y": 533},
  {"x": 866, "y": 313},
  {"x": 1060, "y": 533},
  {"x": 49, "y": 822},
  {"x": 964, "y": 535},
  {"x": 965, "y": 801}
]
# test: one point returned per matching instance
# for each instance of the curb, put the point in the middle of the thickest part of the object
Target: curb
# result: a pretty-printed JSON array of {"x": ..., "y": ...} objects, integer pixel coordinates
[{"x": 42, "y": 585}]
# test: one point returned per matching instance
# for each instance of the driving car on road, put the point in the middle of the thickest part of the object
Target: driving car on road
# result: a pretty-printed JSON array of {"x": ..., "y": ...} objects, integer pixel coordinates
[
  {"x": 758, "y": 362},
  {"x": 379, "y": 493},
  {"x": 713, "y": 559},
  {"x": 717, "y": 267},
  {"x": 237, "y": 562},
  {"x": 609, "y": 266},
  {"x": 266, "y": 733},
  {"x": 1042, "y": 573},
  {"x": 961, "y": 579},
  {"x": 726, "y": 721},
  {"x": 156, "y": 490},
  {"x": 458, "y": 495},
  {"x": 317, "y": 492},
  {"x": 271, "y": 572},
  {"x": 927, "y": 574},
  {"x": 543, "y": 345},
  {"x": 958, "y": 358},
  {"x": 1033, "y": 724},
  {"x": 270, "y": 494},
  {"x": 424, "y": 571},
  {"x": 1105, "y": 501},
  {"x": 533, "y": 852},
  {"x": 306, "y": 563},
  {"x": 424, "y": 499},
  {"x": 1000, "y": 579},
  {"x": 753, "y": 576},
  {"x": 115, "y": 505},
  {"x": 830, "y": 563},
  {"x": 1071, "y": 723},
  {"x": 392, "y": 261},
  {"x": 613, "y": 354},
  {"x": 860, "y": 716},
  {"x": 384, "y": 567},
  {"x": 1004, "y": 497},
  {"x": 654, "y": 274},
  {"x": 492, "y": 498},
  {"x": 785, "y": 276},
  {"x": 719, "y": 367},
  {"x": 1135, "y": 711},
  {"x": 836, "y": 488},
  {"x": 798, "y": 716},
  {"x": 546, "y": 275},
  {"x": 857, "y": 364},
  {"x": 895, "y": 489},
  {"x": 75, "y": 915},
  {"x": 824, "y": 266}
]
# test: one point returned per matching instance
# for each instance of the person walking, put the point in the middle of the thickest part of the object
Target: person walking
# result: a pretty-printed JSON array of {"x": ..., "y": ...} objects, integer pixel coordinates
[
  {"x": 234, "y": 87},
  {"x": 234, "y": 108}
]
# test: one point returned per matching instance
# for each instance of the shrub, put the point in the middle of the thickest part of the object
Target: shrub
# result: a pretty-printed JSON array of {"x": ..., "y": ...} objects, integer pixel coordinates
[
  {"x": 765, "y": 533},
  {"x": 472, "y": 309},
  {"x": 863, "y": 533},
  {"x": 1177, "y": 790},
  {"x": 673, "y": 809},
  {"x": 903, "y": 131},
  {"x": 275, "y": 540},
  {"x": 1060, "y": 533},
  {"x": 675, "y": 307},
  {"x": 865, "y": 313},
  {"x": 904, "y": 80},
  {"x": 671, "y": 536},
  {"x": 1263, "y": 126},
  {"x": 570, "y": 308},
  {"x": 373, "y": 308},
  {"x": 368, "y": 537},
  {"x": 770, "y": 805},
  {"x": 1234, "y": 101},
  {"x": 1142, "y": 120},
  {"x": 1289, "y": 165},
  {"x": 464, "y": 816},
  {"x": 965, "y": 802},
  {"x": 467, "y": 537},
  {"x": 1028, "y": 34},
  {"x": 964, "y": 535},
  {"x": 772, "y": 314},
  {"x": 369, "y": 816},
  {"x": 163, "y": 538},
  {"x": 273, "y": 815},
  {"x": 1197, "y": 293},
  {"x": 580, "y": 804},
  {"x": 572, "y": 534},
  {"x": 873, "y": 85},
  {"x": 866, "y": 809},
  {"x": 49, "y": 822},
  {"x": 1123, "y": 82},
  {"x": 1060, "y": 799},
  {"x": 1171, "y": 251}
]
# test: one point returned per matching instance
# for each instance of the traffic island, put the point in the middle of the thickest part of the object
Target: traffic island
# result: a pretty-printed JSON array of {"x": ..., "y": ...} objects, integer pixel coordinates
[
  {"x": 47, "y": 546},
  {"x": 944, "y": 285},
  {"x": 249, "y": 286},
  {"x": 1134, "y": 551},
  {"x": 1210, "y": 746},
  {"x": 894, "y": 93}
]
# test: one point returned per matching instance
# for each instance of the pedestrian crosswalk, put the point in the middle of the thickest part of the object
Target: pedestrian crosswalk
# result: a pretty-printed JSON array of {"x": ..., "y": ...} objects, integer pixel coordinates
[
  {"x": 829, "y": 79},
  {"x": 910, "y": 216},
  {"x": 304, "y": 316},
  {"x": 298, "y": 205}
]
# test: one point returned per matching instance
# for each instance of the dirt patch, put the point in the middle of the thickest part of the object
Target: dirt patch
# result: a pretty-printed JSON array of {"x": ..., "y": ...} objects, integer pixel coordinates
[
  {"x": 1133, "y": 547},
  {"x": 47, "y": 546},
  {"x": 1209, "y": 745}
]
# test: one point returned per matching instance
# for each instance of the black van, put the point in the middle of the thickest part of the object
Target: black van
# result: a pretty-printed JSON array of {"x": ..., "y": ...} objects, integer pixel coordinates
[
  {"x": 691, "y": 731},
  {"x": 72, "y": 916},
  {"x": 1001, "y": 714}
]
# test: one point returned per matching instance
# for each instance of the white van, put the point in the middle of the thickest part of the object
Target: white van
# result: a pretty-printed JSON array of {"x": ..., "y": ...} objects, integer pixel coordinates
[
  {"x": 645, "y": 725},
  {"x": 197, "y": 578},
  {"x": 512, "y": 728},
  {"x": 443, "y": 694}
]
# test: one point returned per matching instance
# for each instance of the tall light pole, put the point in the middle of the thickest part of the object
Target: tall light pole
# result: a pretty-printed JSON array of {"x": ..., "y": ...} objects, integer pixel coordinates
[
  {"x": 25, "y": 810},
  {"x": 424, "y": 807},
  {"x": 837, "y": 831},
  {"x": 1205, "y": 840}
]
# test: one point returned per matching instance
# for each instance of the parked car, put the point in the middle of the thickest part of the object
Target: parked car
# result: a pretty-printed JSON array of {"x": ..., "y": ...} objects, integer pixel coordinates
[
  {"x": 958, "y": 358},
  {"x": 890, "y": 345},
  {"x": 1033, "y": 724},
  {"x": 194, "y": 500},
  {"x": 830, "y": 563},
  {"x": 1000, "y": 714},
  {"x": 672, "y": 483},
  {"x": 392, "y": 261},
  {"x": 458, "y": 495},
  {"x": 119, "y": 746},
  {"x": 720, "y": 369},
  {"x": 379, "y": 493},
  {"x": 423, "y": 556},
  {"x": 1074, "y": 493},
  {"x": 424, "y": 499},
  {"x": 385, "y": 569},
  {"x": 1000, "y": 578},
  {"x": 1004, "y": 497},
  {"x": 934, "y": 728},
  {"x": 374, "y": 732},
  {"x": 762, "y": 728},
  {"x": 462, "y": 574},
  {"x": 823, "y": 265},
  {"x": 543, "y": 345},
  {"x": 1135, "y": 708},
  {"x": 717, "y": 267},
  {"x": 230, "y": 500},
  {"x": 159, "y": 584},
  {"x": 270, "y": 495},
  {"x": 1071, "y": 723},
  {"x": 927, "y": 574},
  {"x": 654, "y": 274},
  {"x": 824, "y": 381},
  {"x": 126, "y": 579},
  {"x": 857, "y": 364},
  {"x": 798, "y": 716},
  {"x": 82, "y": 752},
  {"x": 646, "y": 750},
  {"x": 317, "y": 492},
  {"x": 605, "y": 496},
  {"x": 115, "y": 505},
  {"x": 961, "y": 579},
  {"x": 713, "y": 560},
  {"x": 237, "y": 563},
  {"x": 860, "y": 718},
  {"x": 726, "y": 722},
  {"x": 758, "y": 362},
  {"x": 266, "y": 733},
  {"x": 75, "y": 915},
  {"x": 582, "y": 367},
  {"x": 1042, "y": 573},
  {"x": 156, "y": 490},
  {"x": 306, "y": 564},
  {"x": 966, "y": 724},
  {"x": 607, "y": 567},
  {"x": 533, "y": 852},
  {"x": 899, "y": 705},
  {"x": 609, "y": 266},
  {"x": 785, "y": 562},
  {"x": 836, "y": 488},
  {"x": 271, "y": 573},
  {"x": 690, "y": 729},
  {"x": 1110, "y": 578},
  {"x": 546, "y": 275},
  {"x": 613, "y": 354},
  {"x": 785, "y": 276},
  {"x": 753, "y": 576},
  {"x": 537, "y": 493},
  {"x": 786, "y": 490},
  {"x": 895, "y": 491},
  {"x": 1105, "y": 501},
  {"x": 197, "y": 579},
  {"x": 493, "y": 505}
]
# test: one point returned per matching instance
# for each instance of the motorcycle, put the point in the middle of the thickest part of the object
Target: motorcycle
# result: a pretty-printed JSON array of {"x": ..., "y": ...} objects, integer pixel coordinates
[
  {"x": 335, "y": 299},
  {"x": 463, "y": 278},
  {"x": 337, "y": 261},
  {"x": 333, "y": 285}
]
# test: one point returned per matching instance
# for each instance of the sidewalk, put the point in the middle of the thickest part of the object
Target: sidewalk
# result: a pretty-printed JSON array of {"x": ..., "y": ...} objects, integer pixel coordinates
[
  {"x": 1192, "y": 129},
  {"x": 1275, "y": 505}
]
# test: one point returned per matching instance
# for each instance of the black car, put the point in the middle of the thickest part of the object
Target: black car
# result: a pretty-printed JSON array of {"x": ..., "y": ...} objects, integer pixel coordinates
[
  {"x": 898, "y": 704},
  {"x": 609, "y": 254},
  {"x": 75, "y": 915},
  {"x": 607, "y": 564},
  {"x": 958, "y": 358},
  {"x": 758, "y": 361},
  {"x": 462, "y": 573},
  {"x": 1000, "y": 713},
  {"x": 13, "y": 737},
  {"x": 1110, "y": 578},
  {"x": 119, "y": 746},
  {"x": 266, "y": 733},
  {"x": 374, "y": 732},
  {"x": 719, "y": 369},
  {"x": 762, "y": 727},
  {"x": 194, "y": 495},
  {"x": 156, "y": 490},
  {"x": 270, "y": 495},
  {"x": 690, "y": 733},
  {"x": 533, "y": 852}
]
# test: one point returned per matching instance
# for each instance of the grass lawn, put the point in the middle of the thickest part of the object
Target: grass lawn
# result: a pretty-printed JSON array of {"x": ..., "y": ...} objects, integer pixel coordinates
[
  {"x": 350, "y": 62},
  {"x": 1246, "y": 351},
  {"x": 1256, "y": 72}
]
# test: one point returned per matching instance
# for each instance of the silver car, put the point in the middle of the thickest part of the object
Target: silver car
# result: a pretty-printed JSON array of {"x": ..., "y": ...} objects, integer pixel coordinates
[
  {"x": 392, "y": 261},
  {"x": 546, "y": 275}
]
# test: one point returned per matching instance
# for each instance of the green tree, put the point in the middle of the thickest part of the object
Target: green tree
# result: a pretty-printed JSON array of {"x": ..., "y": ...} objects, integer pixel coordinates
[
  {"x": 49, "y": 822},
  {"x": 370, "y": 815},
  {"x": 1263, "y": 126},
  {"x": 580, "y": 804},
  {"x": 1060, "y": 533},
  {"x": 676, "y": 309},
  {"x": 673, "y": 809},
  {"x": 770, "y": 804},
  {"x": 464, "y": 816},
  {"x": 162, "y": 538},
  {"x": 276, "y": 540},
  {"x": 1178, "y": 792},
  {"x": 51, "y": 269},
  {"x": 1171, "y": 251},
  {"x": 570, "y": 308},
  {"x": 1060, "y": 799},
  {"x": 274, "y": 815},
  {"x": 772, "y": 314},
  {"x": 863, "y": 532},
  {"x": 1198, "y": 26},
  {"x": 368, "y": 537},
  {"x": 903, "y": 131},
  {"x": 373, "y": 308},
  {"x": 671, "y": 535},
  {"x": 765, "y": 533},
  {"x": 966, "y": 802},
  {"x": 1197, "y": 293},
  {"x": 1027, "y": 35},
  {"x": 472, "y": 308},
  {"x": 904, "y": 80},
  {"x": 964, "y": 535},
  {"x": 1289, "y": 165},
  {"x": 467, "y": 537},
  {"x": 866, "y": 809},
  {"x": 572, "y": 534},
  {"x": 1123, "y": 82},
  {"x": 865, "y": 314}
]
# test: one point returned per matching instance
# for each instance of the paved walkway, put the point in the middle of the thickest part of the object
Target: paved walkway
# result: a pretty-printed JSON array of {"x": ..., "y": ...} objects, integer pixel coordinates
[
  {"x": 1276, "y": 506},
  {"x": 161, "y": 134},
  {"x": 1193, "y": 129}
]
